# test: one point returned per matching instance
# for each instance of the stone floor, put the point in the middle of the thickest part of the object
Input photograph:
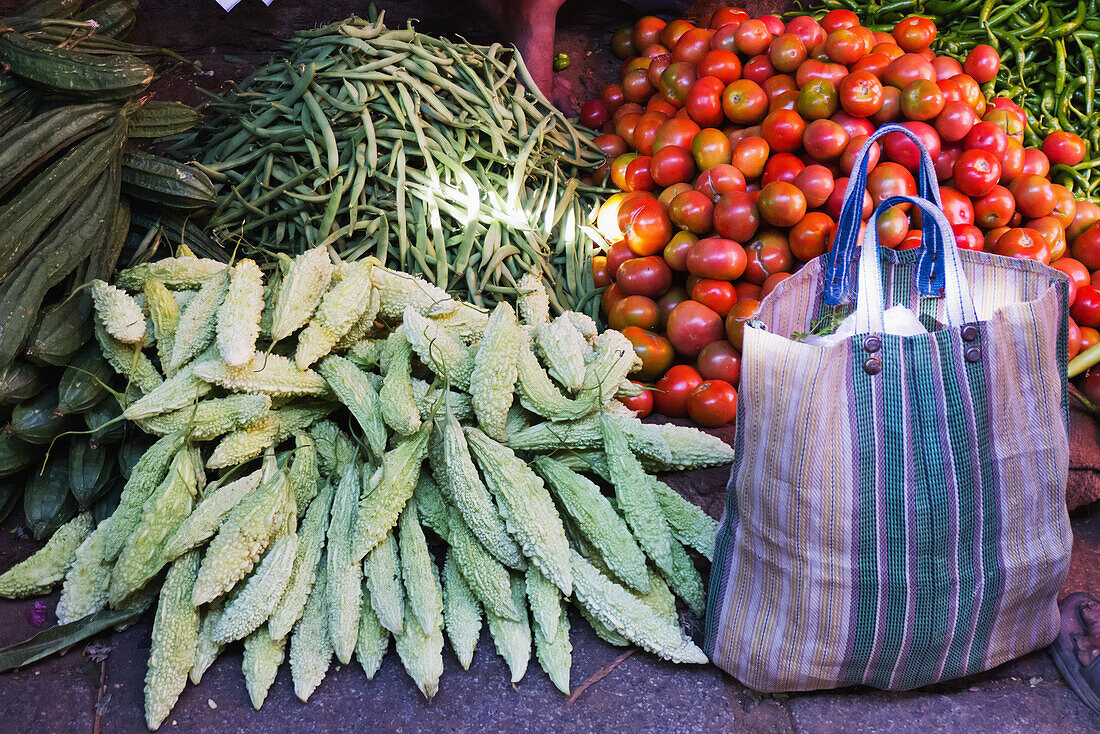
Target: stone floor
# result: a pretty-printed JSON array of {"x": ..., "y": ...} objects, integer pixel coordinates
[{"x": 98, "y": 688}]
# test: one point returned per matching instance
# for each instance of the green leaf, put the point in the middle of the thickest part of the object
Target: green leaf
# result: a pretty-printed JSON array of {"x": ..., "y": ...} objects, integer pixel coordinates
[{"x": 61, "y": 636}]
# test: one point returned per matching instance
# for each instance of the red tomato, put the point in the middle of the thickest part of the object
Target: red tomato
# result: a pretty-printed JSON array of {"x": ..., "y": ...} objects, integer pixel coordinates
[
  {"x": 957, "y": 206},
  {"x": 612, "y": 145},
  {"x": 672, "y": 32},
  {"x": 914, "y": 33},
  {"x": 720, "y": 361},
  {"x": 718, "y": 258},
  {"x": 647, "y": 31},
  {"x": 676, "y": 251},
  {"x": 893, "y": 226},
  {"x": 725, "y": 16},
  {"x": 824, "y": 140},
  {"x": 1024, "y": 243},
  {"x": 1089, "y": 337},
  {"x": 855, "y": 144},
  {"x": 676, "y": 131},
  {"x": 1065, "y": 206},
  {"x": 1086, "y": 248},
  {"x": 654, "y": 350},
  {"x": 641, "y": 404},
  {"x": 854, "y": 126},
  {"x": 671, "y": 165},
  {"x": 744, "y": 102},
  {"x": 860, "y": 94},
  {"x": 676, "y": 82},
  {"x": 610, "y": 297},
  {"x": 612, "y": 96},
  {"x": 693, "y": 211},
  {"x": 599, "y": 271},
  {"x": 1073, "y": 339},
  {"x": 968, "y": 237},
  {"x": 787, "y": 52},
  {"x": 839, "y": 19},
  {"x": 807, "y": 29},
  {"x": 782, "y": 167},
  {"x": 832, "y": 206},
  {"x": 647, "y": 227},
  {"x": 906, "y": 69},
  {"x": 739, "y": 315},
  {"x": 900, "y": 149},
  {"x": 617, "y": 254},
  {"x": 768, "y": 253},
  {"x": 704, "y": 101},
  {"x": 1036, "y": 162},
  {"x": 817, "y": 99},
  {"x": 634, "y": 311},
  {"x": 713, "y": 403},
  {"x": 670, "y": 395},
  {"x": 944, "y": 163},
  {"x": 637, "y": 176},
  {"x": 781, "y": 204},
  {"x": 922, "y": 100},
  {"x": 1086, "y": 309},
  {"x": 644, "y": 276},
  {"x": 594, "y": 113},
  {"x": 1085, "y": 215},
  {"x": 783, "y": 130},
  {"x": 982, "y": 63},
  {"x": 758, "y": 69},
  {"x": 722, "y": 64},
  {"x": 987, "y": 136},
  {"x": 720, "y": 179},
  {"x": 890, "y": 111},
  {"x": 976, "y": 172},
  {"x": 636, "y": 86},
  {"x": 946, "y": 67},
  {"x": 752, "y": 37},
  {"x": 717, "y": 295},
  {"x": 736, "y": 216},
  {"x": 749, "y": 156},
  {"x": 811, "y": 237},
  {"x": 692, "y": 46},
  {"x": 710, "y": 148},
  {"x": 1033, "y": 194},
  {"x": 816, "y": 183},
  {"x": 955, "y": 121},
  {"x": 622, "y": 43},
  {"x": 675, "y": 296},
  {"x": 1053, "y": 232},
  {"x": 890, "y": 179},
  {"x": 1064, "y": 147},
  {"x": 691, "y": 326}
]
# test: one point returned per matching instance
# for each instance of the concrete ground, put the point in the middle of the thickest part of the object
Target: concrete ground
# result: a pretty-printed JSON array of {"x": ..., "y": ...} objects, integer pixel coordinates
[{"x": 97, "y": 687}]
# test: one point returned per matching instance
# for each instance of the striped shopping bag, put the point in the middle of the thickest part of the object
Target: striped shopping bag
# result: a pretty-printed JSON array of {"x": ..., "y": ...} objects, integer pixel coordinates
[{"x": 896, "y": 512}]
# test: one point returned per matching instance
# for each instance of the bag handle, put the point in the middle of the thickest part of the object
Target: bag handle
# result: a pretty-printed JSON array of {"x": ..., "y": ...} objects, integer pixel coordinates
[
  {"x": 936, "y": 237},
  {"x": 928, "y": 274}
]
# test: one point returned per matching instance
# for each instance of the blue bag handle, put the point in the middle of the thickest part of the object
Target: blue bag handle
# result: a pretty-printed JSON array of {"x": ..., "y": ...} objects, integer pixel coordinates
[
  {"x": 928, "y": 274},
  {"x": 936, "y": 237}
]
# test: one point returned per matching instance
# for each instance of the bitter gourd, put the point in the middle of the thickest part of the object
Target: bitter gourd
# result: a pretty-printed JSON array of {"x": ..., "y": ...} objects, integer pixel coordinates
[
  {"x": 262, "y": 657},
  {"x": 119, "y": 313},
  {"x": 164, "y": 312},
  {"x": 271, "y": 374},
  {"x": 310, "y": 645},
  {"x": 303, "y": 474},
  {"x": 418, "y": 570},
  {"x": 303, "y": 574},
  {"x": 373, "y": 640},
  {"x": 344, "y": 572},
  {"x": 301, "y": 291},
  {"x": 341, "y": 307},
  {"x": 207, "y": 516},
  {"x": 177, "y": 273},
  {"x": 493, "y": 380},
  {"x": 690, "y": 525},
  {"x": 527, "y": 508},
  {"x": 461, "y": 613},
  {"x": 512, "y": 638},
  {"x": 555, "y": 654},
  {"x": 46, "y": 568},
  {"x": 209, "y": 419},
  {"x": 396, "y": 395},
  {"x": 238, "y": 320},
  {"x": 379, "y": 508},
  {"x": 174, "y": 640},
  {"x": 352, "y": 388},
  {"x": 198, "y": 321},
  {"x": 254, "y": 603},
  {"x": 382, "y": 574}
]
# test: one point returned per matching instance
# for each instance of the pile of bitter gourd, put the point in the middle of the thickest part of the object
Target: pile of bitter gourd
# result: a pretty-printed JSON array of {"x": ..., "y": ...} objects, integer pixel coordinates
[
  {"x": 347, "y": 455},
  {"x": 428, "y": 154}
]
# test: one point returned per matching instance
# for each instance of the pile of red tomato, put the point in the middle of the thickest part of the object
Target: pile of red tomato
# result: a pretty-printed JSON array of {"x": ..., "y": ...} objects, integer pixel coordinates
[{"x": 732, "y": 142}]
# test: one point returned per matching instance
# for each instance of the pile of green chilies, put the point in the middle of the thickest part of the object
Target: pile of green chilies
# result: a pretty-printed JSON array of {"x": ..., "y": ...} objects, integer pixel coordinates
[
  {"x": 1049, "y": 61},
  {"x": 428, "y": 154}
]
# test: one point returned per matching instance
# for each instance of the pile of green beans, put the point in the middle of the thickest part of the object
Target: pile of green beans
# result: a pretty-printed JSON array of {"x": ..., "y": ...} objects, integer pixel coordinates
[
  {"x": 435, "y": 157},
  {"x": 1049, "y": 61}
]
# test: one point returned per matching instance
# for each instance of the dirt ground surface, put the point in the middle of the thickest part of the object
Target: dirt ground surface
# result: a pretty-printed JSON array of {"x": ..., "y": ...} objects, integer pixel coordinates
[{"x": 99, "y": 687}]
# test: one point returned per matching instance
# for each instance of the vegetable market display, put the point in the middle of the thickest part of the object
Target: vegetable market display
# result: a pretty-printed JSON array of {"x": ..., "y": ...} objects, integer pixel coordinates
[
  {"x": 430, "y": 155},
  {"x": 313, "y": 426},
  {"x": 1048, "y": 61},
  {"x": 731, "y": 143},
  {"x": 71, "y": 105}
]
